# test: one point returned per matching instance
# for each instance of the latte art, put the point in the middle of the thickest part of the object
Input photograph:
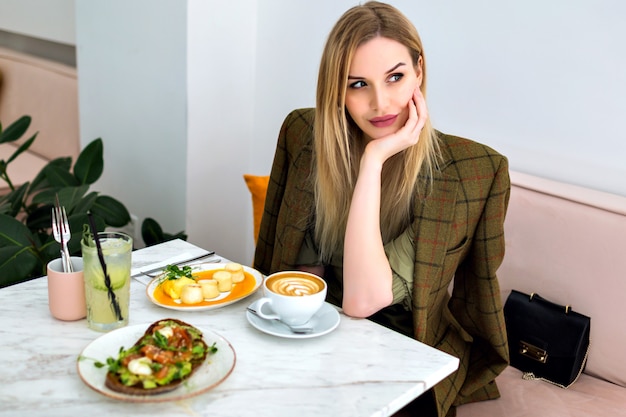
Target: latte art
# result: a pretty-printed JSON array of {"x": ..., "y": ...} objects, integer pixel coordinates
[
  {"x": 292, "y": 297},
  {"x": 295, "y": 285}
]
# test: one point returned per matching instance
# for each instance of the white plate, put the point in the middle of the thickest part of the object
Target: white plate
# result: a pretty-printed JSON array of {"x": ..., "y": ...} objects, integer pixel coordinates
[
  {"x": 222, "y": 300},
  {"x": 211, "y": 373},
  {"x": 324, "y": 321}
]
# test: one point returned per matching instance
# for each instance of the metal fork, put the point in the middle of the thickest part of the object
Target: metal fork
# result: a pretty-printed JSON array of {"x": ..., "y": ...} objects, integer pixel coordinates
[{"x": 62, "y": 234}]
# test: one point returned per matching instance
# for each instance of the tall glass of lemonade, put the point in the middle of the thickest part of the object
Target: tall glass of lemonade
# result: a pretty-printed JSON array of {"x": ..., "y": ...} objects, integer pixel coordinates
[{"x": 107, "y": 306}]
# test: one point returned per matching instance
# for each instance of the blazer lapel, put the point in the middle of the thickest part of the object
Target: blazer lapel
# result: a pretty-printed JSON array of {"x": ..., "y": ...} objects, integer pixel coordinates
[
  {"x": 297, "y": 207},
  {"x": 434, "y": 218}
]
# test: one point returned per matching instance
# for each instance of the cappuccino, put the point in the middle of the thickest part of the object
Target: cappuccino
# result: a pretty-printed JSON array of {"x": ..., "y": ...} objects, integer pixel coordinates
[
  {"x": 295, "y": 284},
  {"x": 292, "y": 296}
]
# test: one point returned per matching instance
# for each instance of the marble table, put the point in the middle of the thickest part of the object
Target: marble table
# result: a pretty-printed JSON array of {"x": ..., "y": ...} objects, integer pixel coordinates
[{"x": 359, "y": 369}]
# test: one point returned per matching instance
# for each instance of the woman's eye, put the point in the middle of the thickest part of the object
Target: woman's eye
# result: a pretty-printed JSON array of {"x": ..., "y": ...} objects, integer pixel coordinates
[
  {"x": 395, "y": 77},
  {"x": 357, "y": 84}
]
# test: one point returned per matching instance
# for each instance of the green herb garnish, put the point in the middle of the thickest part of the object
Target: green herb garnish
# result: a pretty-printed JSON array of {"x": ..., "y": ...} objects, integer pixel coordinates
[
  {"x": 161, "y": 341},
  {"x": 174, "y": 272},
  {"x": 113, "y": 364},
  {"x": 198, "y": 350}
]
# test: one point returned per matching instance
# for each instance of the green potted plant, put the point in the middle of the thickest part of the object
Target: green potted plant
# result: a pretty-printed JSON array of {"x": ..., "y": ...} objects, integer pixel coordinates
[{"x": 26, "y": 241}]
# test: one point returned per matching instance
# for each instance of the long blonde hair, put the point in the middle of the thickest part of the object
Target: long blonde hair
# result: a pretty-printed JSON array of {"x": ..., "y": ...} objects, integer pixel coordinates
[{"x": 338, "y": 141}]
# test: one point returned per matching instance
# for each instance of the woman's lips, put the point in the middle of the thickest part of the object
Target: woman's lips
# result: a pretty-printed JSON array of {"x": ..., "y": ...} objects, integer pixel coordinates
[{"x": 384, "y": 121}]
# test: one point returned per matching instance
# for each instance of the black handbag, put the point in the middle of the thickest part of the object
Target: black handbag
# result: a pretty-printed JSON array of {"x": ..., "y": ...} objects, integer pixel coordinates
[{"x": 546, "y": 341}]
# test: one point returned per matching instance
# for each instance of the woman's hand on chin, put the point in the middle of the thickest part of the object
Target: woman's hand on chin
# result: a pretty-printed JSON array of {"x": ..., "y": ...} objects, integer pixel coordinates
[{"x": 407, "y": 136}]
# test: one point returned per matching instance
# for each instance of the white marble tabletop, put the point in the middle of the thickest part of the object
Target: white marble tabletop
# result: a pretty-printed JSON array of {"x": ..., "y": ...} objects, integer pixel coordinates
[{"x": 359, "y": 369}]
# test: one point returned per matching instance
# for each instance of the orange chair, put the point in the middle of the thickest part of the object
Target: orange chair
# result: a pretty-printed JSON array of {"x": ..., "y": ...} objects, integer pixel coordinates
[{"x": 257, "y": 185}]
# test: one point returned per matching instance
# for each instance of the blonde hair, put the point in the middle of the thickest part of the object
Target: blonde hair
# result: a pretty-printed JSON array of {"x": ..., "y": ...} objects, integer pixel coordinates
[{"x": 338, "y": 141}]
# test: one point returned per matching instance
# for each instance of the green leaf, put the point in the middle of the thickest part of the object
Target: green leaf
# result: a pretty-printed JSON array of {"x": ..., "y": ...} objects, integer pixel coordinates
[
  {"x": 13, "y": 200},
  {"x": 85, "y": 203},
  {"x": 41, "y": 182},
  {"x": 112, "y": 211},
  {"x": 68, "y": 196},
  {"x": 13, "y": 232},
  {"x": 17, "y": 260},
  {"x": 15, "y": 130},
  {"x": 40, "y": 218},
  {"x": 90, "y": 163},
  {"x": 180, "y": 235},
  {"x": 23, "y": 147},
  {"x": 48, "y": 249},
  {"x": 151, "y": 232},
  {"x": 58, "y": 176},
  {"x": 5, "y": 206},
  {"x": 17, "y": 264}
]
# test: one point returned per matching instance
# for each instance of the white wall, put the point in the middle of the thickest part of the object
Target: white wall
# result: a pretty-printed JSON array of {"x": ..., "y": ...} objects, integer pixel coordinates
[
  {"x": 131, "y": 59},
  {"x": 542, "y": 82},
  {"x": 221, "y": 98},
  {"x": 52, "y": 20}
]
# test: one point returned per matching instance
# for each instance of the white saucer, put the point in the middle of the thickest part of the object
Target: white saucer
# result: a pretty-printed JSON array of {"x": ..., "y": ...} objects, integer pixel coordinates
[{"x": 324, "y": 321}]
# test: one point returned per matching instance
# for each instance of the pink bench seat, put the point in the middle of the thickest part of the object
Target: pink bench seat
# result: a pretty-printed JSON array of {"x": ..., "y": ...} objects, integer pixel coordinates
[
  {"x": 48, "y": 92},
  {"x": 568, "y": 244}
]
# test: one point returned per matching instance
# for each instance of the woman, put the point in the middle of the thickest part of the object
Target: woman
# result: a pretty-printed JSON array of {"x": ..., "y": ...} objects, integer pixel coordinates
[{"x": 390, "y": 212}]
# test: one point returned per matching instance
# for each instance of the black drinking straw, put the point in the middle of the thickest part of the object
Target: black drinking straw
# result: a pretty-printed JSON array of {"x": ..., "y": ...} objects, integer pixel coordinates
[{"x": 107, "y": 278}]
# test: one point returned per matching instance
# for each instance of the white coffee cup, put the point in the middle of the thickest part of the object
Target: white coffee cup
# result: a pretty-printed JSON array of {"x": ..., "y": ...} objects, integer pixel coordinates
[{"x": 292, "y": 296}]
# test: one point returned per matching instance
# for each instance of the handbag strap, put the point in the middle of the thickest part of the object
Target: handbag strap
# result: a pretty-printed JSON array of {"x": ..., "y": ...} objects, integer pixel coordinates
[
  {"x": 567, "y": 308},
  {"x": 530, "y": 376}
]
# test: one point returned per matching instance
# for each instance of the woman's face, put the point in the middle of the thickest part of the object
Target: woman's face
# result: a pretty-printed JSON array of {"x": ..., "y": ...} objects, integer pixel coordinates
[{"x": 381, "y": 81}]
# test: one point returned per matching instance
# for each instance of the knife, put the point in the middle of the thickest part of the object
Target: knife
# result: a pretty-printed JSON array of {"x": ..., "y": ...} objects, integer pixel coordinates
[{"x": 175, "y": 260}]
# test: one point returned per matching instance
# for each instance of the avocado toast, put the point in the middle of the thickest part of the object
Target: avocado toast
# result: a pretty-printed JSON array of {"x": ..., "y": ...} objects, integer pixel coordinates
[{"x": 167, "y": 354}]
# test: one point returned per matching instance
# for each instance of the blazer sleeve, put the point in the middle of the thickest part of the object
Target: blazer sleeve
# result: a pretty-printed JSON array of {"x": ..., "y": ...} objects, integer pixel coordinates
[
  {"x": 289, "y": 195},
  {"x": 273, "y": 198},
  {"x": 476, "y": 300}
]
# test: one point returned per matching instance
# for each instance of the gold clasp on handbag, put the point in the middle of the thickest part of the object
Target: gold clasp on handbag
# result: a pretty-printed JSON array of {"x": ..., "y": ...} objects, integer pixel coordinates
[{"x": 533, "y": 352}]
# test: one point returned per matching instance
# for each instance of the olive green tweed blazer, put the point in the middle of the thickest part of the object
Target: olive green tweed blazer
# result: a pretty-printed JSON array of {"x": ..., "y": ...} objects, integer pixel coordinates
[{"x": 459, "y": 238}]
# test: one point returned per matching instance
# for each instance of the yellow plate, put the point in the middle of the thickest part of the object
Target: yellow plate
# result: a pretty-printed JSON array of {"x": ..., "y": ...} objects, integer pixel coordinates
[{"x": 241, "y": 290}]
